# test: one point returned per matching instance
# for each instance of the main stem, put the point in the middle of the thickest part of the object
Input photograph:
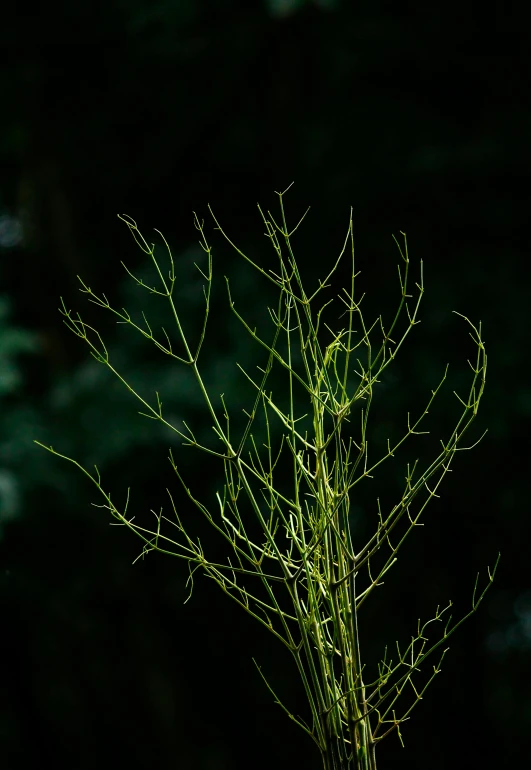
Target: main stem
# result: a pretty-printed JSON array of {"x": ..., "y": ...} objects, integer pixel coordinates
[{"x": 341, "y": 583}]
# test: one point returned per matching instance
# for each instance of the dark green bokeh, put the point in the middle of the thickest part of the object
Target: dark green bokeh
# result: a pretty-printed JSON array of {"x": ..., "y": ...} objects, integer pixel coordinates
[{"x": 417, "y": 117}]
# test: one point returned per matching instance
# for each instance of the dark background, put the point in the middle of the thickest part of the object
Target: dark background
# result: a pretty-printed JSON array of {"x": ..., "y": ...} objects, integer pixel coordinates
[{"x": 415, "y": 114}]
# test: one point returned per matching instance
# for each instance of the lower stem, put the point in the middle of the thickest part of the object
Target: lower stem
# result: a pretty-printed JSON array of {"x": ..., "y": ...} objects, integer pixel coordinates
[{"x": 362, "y": 757}]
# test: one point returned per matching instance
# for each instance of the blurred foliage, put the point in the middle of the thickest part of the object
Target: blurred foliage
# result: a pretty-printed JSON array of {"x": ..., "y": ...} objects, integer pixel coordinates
[
  {"x": 414, "y": 115},
  {"x": 17, "y": 419}
]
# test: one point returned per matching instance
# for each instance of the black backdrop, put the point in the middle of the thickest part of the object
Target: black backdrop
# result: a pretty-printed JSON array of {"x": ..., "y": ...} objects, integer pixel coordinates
[{"x": 416, "y": 115}]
